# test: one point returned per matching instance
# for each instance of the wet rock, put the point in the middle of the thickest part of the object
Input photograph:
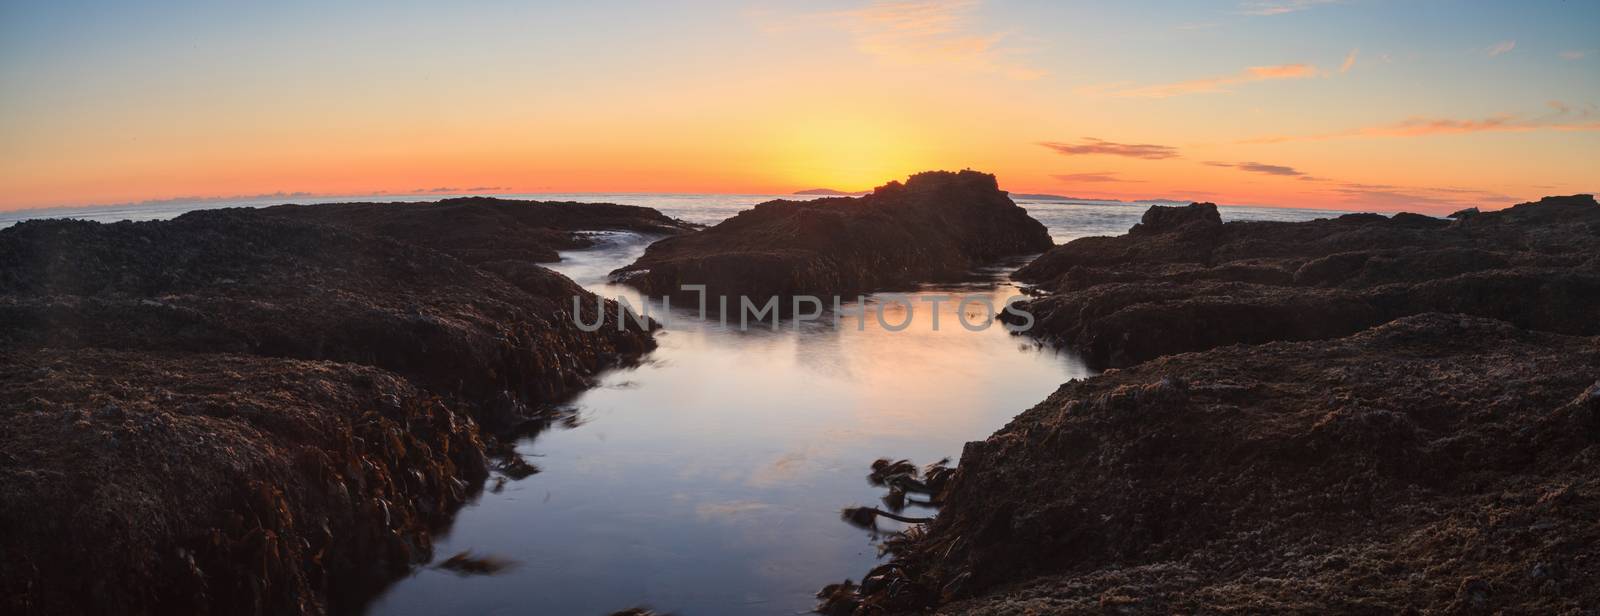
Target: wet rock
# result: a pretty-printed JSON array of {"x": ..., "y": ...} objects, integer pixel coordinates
[
  {"x": 240, "y": 411},
  {"x": 838, "y": 599},
  {"x": 1372, "y": 473},
  {"x": 938, "y": 226},
  {"x": 300, "y": 507},
  {"x": 467, "y": 563},
  {"x": 1184, "y": 281}
]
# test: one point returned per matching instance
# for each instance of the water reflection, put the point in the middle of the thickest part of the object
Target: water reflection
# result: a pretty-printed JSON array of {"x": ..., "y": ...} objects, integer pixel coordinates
[{"x": 709, "y": 478}]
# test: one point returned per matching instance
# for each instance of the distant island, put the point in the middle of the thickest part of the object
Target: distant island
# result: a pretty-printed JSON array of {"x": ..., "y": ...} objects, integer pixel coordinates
[
  {"x": 829, "y": 192},
  {"x": 1045, "y": 197}
]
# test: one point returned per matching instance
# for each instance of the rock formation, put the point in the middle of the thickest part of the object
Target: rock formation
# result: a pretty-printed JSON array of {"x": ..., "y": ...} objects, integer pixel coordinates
[
  {"x": 938, "y": 226},
  {"x": 1183, "y": 280},
  {"x": 185, "y": 483},
  {"x": 239, "y": 411},
  {"x": 1442, "y": 463}
]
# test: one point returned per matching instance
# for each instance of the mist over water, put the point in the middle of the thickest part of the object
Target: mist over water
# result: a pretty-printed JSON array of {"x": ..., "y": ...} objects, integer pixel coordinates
[{"x": 708, "y": 479}]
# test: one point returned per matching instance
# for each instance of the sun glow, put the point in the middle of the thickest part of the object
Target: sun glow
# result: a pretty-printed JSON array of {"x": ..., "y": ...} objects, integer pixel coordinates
[{"x": 845, "y": 153}]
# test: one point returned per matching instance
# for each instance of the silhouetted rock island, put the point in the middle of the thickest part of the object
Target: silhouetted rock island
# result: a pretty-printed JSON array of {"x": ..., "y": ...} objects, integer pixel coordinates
[{"x": 937, "y": 226}]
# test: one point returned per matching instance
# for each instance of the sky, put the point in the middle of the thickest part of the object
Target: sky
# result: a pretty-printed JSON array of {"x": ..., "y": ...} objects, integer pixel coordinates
[{"x": 1418, "y": 105}]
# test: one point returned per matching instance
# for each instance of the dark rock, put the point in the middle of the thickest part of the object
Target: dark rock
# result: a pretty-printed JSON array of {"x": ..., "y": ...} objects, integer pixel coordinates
[
  {"x": 467, "y": 563},
  {"x": 238, "y": 411},
  {"x": 937, "y": 226},
  {"x": 177, "y": 504},
  {"x": 1183, "y": 281},
  {"x": 1166, "y": 219},
  {"x": 1369, "y": 474},
  {"x": 480, "y": 230},
  {"x": 304, "y": 291}
]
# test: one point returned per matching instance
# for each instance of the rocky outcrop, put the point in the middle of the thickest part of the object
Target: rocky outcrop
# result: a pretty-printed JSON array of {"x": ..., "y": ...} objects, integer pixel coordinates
[
  {"x": 937, "y": 226},
  {"x": 141, "y": 483},
  {"x": 482, "y": 230},
  {"x": 236, "y": 412},
  {"x": 1441, "y": 463},
  {"x": 1182, "y": 280},
  {"x": 238, "y": 281}
]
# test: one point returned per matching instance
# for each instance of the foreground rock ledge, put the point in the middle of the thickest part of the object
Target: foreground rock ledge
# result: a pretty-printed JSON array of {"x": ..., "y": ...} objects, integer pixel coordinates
[
  {"x": 1183, "y": 280},
  {"x": 243, "y": 412},
  {"x": 1443, "y": 463},
  {"x": 938, "y": 226},
  {"x": 229, "y": 484}
]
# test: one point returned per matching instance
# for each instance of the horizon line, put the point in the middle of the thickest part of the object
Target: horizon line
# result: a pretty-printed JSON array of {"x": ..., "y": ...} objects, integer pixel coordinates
[{"x": 289, "y": 197}]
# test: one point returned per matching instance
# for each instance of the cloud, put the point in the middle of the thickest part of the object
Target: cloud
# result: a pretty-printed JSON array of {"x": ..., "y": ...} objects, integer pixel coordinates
[
  {"x": 1574, "y": 54},
  {"x": 1382, "y": 196},
  {"x": 451, "y": 189},
  {"x": 1388, "y": 197},
  {"x": 1090, "y": 145},
  {"x": 1279, "y": 7},
  {"x": 1091, "y": 178},
  {"x": 932, "y": 32},
  {"x": 1349, "y": 61},
  {"x": 1500, "y": 48},
  {"x": 1202, "y": 86},
  {"x": 1563, "y": 118},
  {"x": 1261, "y": 168}
]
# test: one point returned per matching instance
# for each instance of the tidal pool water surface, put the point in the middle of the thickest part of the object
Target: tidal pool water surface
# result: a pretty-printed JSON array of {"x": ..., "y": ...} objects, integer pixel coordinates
[{"x": 709, "y": 479}]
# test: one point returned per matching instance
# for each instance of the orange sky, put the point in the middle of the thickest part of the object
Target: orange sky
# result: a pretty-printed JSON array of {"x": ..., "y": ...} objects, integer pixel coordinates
[{"x": 1246, "y": 103}]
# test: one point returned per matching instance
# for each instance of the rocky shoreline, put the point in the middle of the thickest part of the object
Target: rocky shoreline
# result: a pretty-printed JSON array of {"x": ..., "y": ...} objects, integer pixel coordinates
[
  {"x": 269, "y": 411},
  {"x": 1182, "y": 280},
  {"x": 1367, "y": 414},
  {"x": 272, "y": 411}
]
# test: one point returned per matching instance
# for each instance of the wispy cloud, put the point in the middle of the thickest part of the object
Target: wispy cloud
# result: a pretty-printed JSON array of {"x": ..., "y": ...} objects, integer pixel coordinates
[
  {"x": 932, "y": 32},
  {"x": 1574, "y": 54},
  {"x": 1381, "y": 196},
  {"x": 1090, "y": 146},
  {"x": 1500, "y": 48},
  {"x": 1349, "y": 61},
  {"x": 1279, "y": 7},
  {"x": 1096, "y": 177},
  {"x": 1562, "y": 118},
  {"x": 1201, "y": 86},
  {"x": 1261, "y": 168},
  {"x": 1389, "y": 197},
  {"x": 451, "y": 189}
]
